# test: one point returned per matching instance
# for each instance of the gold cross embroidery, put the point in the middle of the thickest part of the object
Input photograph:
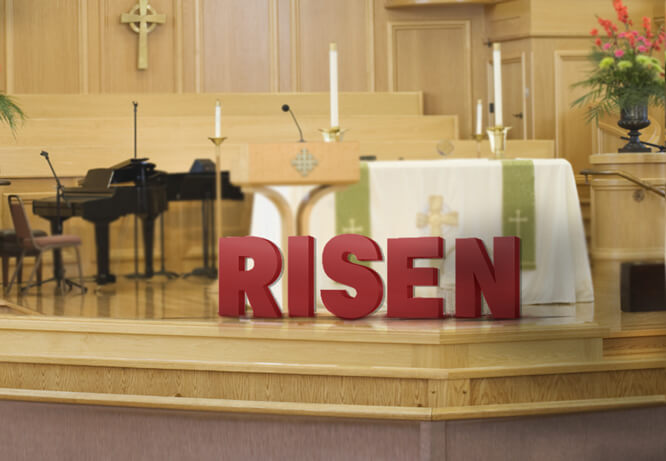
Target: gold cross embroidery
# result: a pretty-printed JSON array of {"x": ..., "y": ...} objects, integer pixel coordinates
[
  {"x": 352, "y": 228},
  {"x": 147, "y": 19},
  {"x": 517, "y": 220},
  {"x": 435, "y": 218}
]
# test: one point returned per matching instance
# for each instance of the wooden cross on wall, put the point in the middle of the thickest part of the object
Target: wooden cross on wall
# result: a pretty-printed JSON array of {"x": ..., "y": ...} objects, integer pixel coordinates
[{"x": 142, "y": 19}]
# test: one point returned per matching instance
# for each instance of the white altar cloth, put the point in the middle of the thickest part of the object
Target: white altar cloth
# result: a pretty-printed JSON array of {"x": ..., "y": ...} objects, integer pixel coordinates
[{"x": 399, "y": 190}]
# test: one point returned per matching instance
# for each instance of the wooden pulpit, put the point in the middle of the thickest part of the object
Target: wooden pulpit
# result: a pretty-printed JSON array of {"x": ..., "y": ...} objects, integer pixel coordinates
[{"x": 327, "y": 165}]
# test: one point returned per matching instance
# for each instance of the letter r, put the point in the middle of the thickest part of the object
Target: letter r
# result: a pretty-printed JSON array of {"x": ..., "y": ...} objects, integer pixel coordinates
[{"x": 236, "y": 281}]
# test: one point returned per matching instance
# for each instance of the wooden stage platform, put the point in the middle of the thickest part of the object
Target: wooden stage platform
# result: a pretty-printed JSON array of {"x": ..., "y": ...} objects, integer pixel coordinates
[
  {"x": 154, "y": 366},
  {"x": 161, "y": 344}
]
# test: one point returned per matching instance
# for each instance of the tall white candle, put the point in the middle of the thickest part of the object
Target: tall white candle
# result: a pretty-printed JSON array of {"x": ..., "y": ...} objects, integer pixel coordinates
[
  {"x": 333, "y": 71},
  {"x": 479, "y": 117},
  {"x": 497, "y": 83},
  {"x": 218, "y": 119}
]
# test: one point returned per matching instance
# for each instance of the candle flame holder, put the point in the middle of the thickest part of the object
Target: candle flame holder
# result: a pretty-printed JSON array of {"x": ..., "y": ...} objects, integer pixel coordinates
[
  {"x": 333, "y": 134},
  {"x": 497, "y": 137},
  {"x": 217, "y": 140}
]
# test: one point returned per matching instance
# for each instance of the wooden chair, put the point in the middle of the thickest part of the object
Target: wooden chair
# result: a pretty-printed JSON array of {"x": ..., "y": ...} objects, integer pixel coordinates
[
  {"x": 9, "y": 248},
  {"x": 28, "y": 242}
]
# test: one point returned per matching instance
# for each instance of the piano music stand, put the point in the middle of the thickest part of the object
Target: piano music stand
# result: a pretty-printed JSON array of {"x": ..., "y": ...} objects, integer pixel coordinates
[
  {"x": 168, "y": 274},
  {"x": 208, "y": 242}
]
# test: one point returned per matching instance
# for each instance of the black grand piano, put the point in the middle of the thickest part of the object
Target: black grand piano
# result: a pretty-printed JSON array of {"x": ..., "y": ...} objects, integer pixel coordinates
[
  {"x": 131, "y": 187},
  {"x": 199, "y": 185}
]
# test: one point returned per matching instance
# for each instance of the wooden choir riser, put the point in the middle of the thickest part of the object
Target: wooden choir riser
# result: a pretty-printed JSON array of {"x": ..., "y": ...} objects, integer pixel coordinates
[{"x": 62, "y": 106}]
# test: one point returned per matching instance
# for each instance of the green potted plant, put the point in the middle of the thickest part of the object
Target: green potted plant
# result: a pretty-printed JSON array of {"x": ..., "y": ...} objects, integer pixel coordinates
[
  {"x": 10, "y": 113},
  {"x": 626, "y": 75}
]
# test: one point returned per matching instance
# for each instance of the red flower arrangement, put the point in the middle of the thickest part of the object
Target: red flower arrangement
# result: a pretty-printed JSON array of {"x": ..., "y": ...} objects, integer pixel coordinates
[{"x": 626, "y": 74}]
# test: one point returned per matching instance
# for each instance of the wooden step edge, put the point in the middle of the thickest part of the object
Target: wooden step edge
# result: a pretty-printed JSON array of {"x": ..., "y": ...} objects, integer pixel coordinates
[
  {"x": 332, "y": 410},
  {"x": 280, "y": 330},
  {"x": 597, "y": 366},
  {"x": 636, "y": 333},
  {"x": 219, "y": 405},
  {"x": 545, "y": 408},
  {"x": 313, "y": 369},
  {"x": 501, "y": 333}
]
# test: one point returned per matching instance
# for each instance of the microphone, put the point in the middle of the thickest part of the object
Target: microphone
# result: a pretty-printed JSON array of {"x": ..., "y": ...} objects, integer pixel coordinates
[
  {"x": 286, "y": 108},
  {"x": 44, "y": 154}
]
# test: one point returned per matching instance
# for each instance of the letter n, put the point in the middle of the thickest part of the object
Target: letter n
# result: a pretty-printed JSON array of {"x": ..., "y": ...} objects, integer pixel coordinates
[{"x": 475, "y": 274}]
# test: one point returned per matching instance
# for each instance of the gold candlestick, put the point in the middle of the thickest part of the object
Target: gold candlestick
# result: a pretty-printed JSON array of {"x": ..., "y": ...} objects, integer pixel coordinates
[
  {"x": 333, "y": 134},
  {"x": 478, "y": 137},
  {"x": 218, "y": 192},
  {"x": 497, "y": 138}
]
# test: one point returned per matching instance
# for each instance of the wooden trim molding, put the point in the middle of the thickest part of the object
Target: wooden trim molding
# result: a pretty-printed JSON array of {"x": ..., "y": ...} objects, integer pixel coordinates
[
  {"x": 198, "y": 41},
  {"x": 295, "y": 29},
  {"x": 559, "y": 57},
  {"x": 274, "y": 45},
  {"x": 370, "y": 40},
  {"x": 9, "y": 45},
  {"x": 100, "y": 27},
  {"x": 178, "y": 32},
  {"x": 83, "y": 46},
  {"x": 533, "y": 113},
  {"x": 524, "y": 92}
]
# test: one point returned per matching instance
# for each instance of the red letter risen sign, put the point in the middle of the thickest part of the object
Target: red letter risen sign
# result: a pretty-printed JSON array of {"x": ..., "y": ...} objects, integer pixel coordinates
[
  {"x": 368, "y": 284},
  {"x": 301, "y": 280},
  {"x": 236, "y": 281},
  {"x": 402, "y": 277},
  {"x": 475, "y": 274}
]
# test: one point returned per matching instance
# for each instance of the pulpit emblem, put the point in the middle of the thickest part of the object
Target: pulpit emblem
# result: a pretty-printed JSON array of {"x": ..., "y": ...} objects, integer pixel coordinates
[
  {"x": 142, "y": 19},
  {"x": 304, "y": 162}
]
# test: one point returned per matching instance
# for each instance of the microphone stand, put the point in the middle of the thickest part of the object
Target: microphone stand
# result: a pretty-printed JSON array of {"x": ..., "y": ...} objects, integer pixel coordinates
[
  {"x": 58, "y": 269},
  {"x": 286, "y": 108},
  {"x": 136, "y": 274},
  {"x": 162, "y": 271},
  {"x": 59, "y": 191}
]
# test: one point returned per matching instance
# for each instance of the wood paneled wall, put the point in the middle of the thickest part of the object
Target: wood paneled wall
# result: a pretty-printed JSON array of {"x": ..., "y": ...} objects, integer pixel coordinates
[{"x": 80, "y": 46}]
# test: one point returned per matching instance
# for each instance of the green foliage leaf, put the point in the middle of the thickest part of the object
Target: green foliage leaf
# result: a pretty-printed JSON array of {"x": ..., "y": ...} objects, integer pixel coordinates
[{"x": 10, "y": 113}]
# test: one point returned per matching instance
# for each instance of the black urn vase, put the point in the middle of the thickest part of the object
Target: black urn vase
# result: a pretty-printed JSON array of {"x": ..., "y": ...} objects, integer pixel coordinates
[{"x": 634, "y": 118}]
